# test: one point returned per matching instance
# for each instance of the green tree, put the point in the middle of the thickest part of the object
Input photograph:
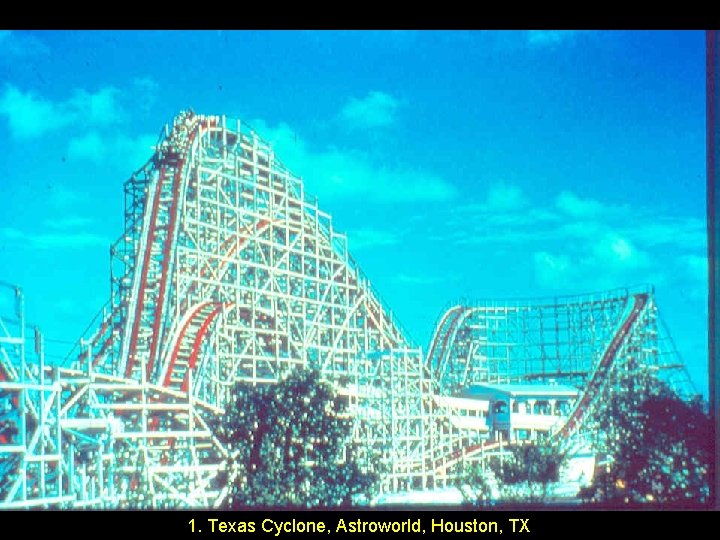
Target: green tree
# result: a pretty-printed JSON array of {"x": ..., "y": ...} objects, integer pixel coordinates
[
  {"x": 527, "y": 473},
  {"x": 474, "y": 483},
  {"x": 660, "y": 447},
  {"x": 523, "y": 474},
  {"x": 287, "y": 443}
]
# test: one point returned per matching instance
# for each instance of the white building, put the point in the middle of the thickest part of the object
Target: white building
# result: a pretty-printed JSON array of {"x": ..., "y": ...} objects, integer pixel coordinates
[{"x": 518, "y": 412}]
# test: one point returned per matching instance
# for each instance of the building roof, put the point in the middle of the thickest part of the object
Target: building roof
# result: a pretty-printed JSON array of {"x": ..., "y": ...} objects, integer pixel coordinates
[{"x": 520, "y": 390}]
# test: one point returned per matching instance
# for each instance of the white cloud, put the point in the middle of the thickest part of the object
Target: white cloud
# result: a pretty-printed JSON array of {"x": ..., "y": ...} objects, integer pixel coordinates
[
  {"x": 363, "y": 238},
  {"x": 418, "y": 279},
  {"x": 596, "y": 263},
  {"x": 614, "y": 251},
  {"x": 617, "y": 231},
  {"x": 117, "y": 149},
  {"x": 52, "y": 240},
  {"x": 549, "y": 38},
  {"x": 505, "y": 197},
  {"x": 693, "y": 275},
  {"x": 29, "y": 115},
  {"x": 574, "y": 206},
  {"x": 659, "y": 230},
  {"x": 696, "y": 267},
  {"x": 375, "y": 110},
  {"x": 63, "y": 231},
  {"x": 505, "y": 204},
  {"x": 552, "y": 271},
  {"x": 504, "y": 217},
  {"x": 89, "y": 146},
  {"x": 65, "y": 223},
  {"x": 578, "y": 243},
  {"x": 63, "y": 198},
  {"x": 17, "y": 44},
  {"x": 95, "y": 118},
  {"x": 133, "y": 151},
  {"x": 622, "y": 249},
  {"x": 331, "y": 173},
  {"x": 99, "y": 108}
]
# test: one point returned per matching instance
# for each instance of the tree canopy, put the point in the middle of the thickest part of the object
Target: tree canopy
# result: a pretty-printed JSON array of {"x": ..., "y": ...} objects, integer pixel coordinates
[
  {"x": 524, "y": 473},
  {"x": 287, "y": 443},
  {"x": 531, "y": 468},
  {"x": 659, "y": 447}
]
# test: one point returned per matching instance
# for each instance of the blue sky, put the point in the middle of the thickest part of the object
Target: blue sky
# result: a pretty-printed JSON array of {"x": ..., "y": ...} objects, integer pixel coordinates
[{"x": 461, "y": 164}]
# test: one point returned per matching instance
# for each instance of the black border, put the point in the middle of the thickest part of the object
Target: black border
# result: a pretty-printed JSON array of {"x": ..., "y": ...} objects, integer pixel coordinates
[
  {"x": 541, "y": 524},
  {"x": 713, "y": 174}
]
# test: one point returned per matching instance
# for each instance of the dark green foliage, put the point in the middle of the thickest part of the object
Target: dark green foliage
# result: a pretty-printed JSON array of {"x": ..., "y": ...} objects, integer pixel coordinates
[
  {"x": 529, "y": 463},
  {"x": 287, "y": 444},
  {"x": 531, "y": 468},
  {"x": 472, "y": 481},
  {"x": 524, "y": 474},
  {"x": 660, "y": 448}
]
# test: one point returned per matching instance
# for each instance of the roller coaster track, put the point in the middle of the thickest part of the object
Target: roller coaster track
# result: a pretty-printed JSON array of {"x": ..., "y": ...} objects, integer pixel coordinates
[
  {"x": 150, "y": 300},
  {"x": 194, "y": 326},
  {"x": 445, "y": 328},
  {"x": 81, "y": 347},
  {"x": 187, "y": 344},
  {"x": 230, "y": 247},
  {"x": 582, "y": 406},
  {"x": 600, "y": 375}
]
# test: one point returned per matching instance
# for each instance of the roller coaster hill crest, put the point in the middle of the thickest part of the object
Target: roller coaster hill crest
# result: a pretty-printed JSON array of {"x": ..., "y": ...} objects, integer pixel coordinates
[{"x": 226, "y": 272}]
